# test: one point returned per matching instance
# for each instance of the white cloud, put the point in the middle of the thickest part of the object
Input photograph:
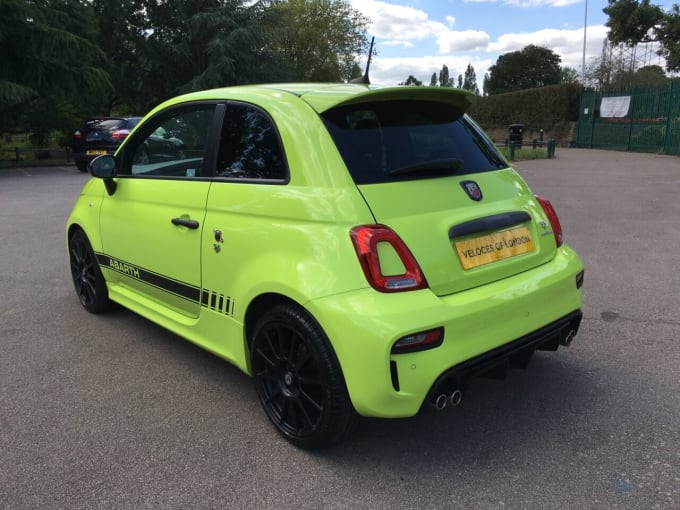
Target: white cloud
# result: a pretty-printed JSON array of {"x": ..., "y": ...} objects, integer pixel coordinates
[
  {"x": 400, "y": 25},
  {"x": 403, "y": 44},
  {"x": 398, "y": 22},
  {"x": 566, "y": 43},
  {"x": 466, "y": 40},
  {"x": 396, "y": 25}
]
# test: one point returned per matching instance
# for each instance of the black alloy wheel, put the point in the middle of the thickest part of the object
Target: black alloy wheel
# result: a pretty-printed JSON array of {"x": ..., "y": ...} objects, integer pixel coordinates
[
  {"x": 298, "y": 379},
  {"x": 87, "y": 277}
]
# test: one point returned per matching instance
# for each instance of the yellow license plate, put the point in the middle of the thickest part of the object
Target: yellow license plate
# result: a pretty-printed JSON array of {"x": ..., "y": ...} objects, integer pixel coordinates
[
  {"x": 492, "y": 247},
  {"x": 95, "y": 153}
]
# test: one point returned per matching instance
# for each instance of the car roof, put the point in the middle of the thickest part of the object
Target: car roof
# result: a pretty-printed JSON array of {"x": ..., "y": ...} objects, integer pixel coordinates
[{"x": 325, "y": 96}]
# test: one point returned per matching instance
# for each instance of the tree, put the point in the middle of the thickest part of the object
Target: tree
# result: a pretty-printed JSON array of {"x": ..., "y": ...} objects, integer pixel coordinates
[
  {"x": 615, "y": 69},
  {"x": 121, "y": 36},
  {"x": 531, "y": 67},
  {"x": 444, "y": 79},
  {"x": 460, "y": 81},
  {"x": 470, "y": 80},
  {"x": 412, "y": 80},
  {"x": 48, "y": 67},
  {"x": 318, "y": 40},
  {"x": 198, "y": 44},
  {"x": 433, "y": 80},
  {"x": 638, "y": 21},
  {"x": 485, "y": 84},
  {"x": 569, "y": 75}
]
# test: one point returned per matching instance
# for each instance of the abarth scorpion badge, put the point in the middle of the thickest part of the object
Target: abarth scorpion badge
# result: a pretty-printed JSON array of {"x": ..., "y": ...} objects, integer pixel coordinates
[{"x": 472, "y": 190}]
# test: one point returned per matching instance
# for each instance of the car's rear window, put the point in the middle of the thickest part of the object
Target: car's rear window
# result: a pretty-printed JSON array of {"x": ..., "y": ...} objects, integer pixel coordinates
[
  {"x": 396, "y": 140},
  {"x": 108, "y": 124},
  {"x": 112, "y": 124}
]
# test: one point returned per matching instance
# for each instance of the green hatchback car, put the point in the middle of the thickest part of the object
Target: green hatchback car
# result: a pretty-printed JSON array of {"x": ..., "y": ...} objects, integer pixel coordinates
[{"x": 357, "y": 250}]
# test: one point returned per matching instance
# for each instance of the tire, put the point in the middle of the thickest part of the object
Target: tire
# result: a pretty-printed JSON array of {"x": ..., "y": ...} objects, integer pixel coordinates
[
  {"x": 87, "y": 277},
  {"x": 298, "y": 379},
  {"x": 82, "y": 166}
]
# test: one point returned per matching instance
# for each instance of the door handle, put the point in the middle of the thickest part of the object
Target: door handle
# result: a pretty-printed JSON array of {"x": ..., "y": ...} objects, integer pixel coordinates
[{"x": 193, "y": 224}]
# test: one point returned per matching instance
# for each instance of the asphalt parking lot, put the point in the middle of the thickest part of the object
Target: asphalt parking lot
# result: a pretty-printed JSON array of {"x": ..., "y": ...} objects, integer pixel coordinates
[{"x": 113, "y": 412}]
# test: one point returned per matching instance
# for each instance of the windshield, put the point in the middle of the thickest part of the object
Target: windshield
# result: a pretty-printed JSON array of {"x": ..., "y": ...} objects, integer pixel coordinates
[{"x": 398, "y": 140}]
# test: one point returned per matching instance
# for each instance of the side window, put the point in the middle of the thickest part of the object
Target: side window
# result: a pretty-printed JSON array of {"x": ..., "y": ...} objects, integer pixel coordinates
[
  {"x": 173, "y": 146},
  {"x": 249, "y": 146}
]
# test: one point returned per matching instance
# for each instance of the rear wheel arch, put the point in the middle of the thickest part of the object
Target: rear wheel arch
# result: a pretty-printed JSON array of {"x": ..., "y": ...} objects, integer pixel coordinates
[
  {"x": 297, "y": 375},
  {"x": 259, "y": 307}
]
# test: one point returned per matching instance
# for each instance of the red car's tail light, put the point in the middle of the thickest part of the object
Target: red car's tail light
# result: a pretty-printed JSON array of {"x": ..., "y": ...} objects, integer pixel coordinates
[
  {"x": 120, "y": 134},
  {"x": 552, "y": 218},
  {"x": 77, "y": 135},
  {"x": 366, "y": 239},
  {"x": 419, "y": 341}
]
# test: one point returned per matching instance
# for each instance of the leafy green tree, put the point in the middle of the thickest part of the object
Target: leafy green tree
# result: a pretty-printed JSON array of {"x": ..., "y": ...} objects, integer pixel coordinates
[
  {"x": 637, "y": 21},
  {"x": 569, "y": 75},
  {"x": 632, "y": 21},
  {"x": 121, "y": 36},
  {"x": 197, "y": 44},
  {"x": 412, "y": 80},
  {"x": 470, "y": 80},
  {"x": 48, "y": 66},
  {"x": 460, "y": 81},
  {"x": 433, "y": 80},
  {"x": 648, "y": 76},
  {"x": 444, "y": 79},
  {"x": 318, "y": 40},
  {"x": 531, "y": 67}
]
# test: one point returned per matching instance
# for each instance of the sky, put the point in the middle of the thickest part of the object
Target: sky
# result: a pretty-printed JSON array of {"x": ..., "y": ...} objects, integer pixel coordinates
[{"x": 417, "y": 37}]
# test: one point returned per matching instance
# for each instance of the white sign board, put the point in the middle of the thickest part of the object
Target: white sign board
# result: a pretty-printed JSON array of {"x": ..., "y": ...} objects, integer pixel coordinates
[{"x": 614, "y": 107}]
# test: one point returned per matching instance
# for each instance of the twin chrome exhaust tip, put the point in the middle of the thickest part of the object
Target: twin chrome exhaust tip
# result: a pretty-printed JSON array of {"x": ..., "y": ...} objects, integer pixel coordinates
[{"x": 439, "y": 402}]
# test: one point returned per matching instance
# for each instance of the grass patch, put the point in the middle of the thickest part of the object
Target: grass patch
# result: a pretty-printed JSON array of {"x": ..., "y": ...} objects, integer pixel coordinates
[
  {"x": 49, "y": 154},
  {"x": 524, "y": 154}
]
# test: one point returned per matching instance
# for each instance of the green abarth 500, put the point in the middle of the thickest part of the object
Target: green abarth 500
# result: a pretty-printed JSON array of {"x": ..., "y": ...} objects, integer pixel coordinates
[{"x": 358, "y": 250}]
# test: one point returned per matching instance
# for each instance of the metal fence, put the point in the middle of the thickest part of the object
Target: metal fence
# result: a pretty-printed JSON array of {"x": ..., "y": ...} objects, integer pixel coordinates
[
  {"x": 650, "y": 123},
  {"x": 17, "y": 156}
]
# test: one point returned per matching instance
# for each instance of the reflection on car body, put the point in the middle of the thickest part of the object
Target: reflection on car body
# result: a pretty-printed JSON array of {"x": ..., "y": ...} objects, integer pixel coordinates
[{"x": 99, "y": 135}]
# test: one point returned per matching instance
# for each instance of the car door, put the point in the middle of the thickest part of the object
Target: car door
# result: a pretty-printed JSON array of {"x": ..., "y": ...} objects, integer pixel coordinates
[
  {"x": 151, "y": 225},
  {"x": 250, "y": 172}
]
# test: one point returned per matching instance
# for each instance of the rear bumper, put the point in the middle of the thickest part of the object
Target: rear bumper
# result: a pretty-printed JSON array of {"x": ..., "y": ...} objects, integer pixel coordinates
[
  {"x": 515, "y": 354},
  {"x": 484, "y": 327}
]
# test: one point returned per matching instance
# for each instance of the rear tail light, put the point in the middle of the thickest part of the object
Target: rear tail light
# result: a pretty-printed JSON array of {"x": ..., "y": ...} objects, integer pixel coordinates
[
  {"x": 78, "y": 135},
  {"x": 367, "y": 240},
  {"x": 552, "y": 218},
  {"x": 120, "y": 134}
]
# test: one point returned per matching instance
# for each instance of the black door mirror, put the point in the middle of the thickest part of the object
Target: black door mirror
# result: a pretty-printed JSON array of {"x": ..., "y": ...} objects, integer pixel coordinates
[{"x": 103, "y": 166}]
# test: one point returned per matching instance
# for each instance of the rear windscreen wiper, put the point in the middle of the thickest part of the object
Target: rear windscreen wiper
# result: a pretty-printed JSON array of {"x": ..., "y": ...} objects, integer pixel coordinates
[{"x": 439, "y": 166}]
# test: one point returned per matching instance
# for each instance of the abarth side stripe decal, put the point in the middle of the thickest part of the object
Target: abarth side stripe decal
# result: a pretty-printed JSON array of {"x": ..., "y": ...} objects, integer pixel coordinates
[
  {"x": 175, "y": 287},
  {"x": 206, "y": 298},
  {"x": 217, "y": 302}
]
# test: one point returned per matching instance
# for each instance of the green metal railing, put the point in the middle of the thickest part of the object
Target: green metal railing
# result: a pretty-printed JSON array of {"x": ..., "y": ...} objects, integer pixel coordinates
[{"x": 652, "y": 123}]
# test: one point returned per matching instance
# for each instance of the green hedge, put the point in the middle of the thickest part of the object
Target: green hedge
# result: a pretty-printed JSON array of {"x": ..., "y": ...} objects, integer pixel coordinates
[{"x": 541, "y": 108}]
